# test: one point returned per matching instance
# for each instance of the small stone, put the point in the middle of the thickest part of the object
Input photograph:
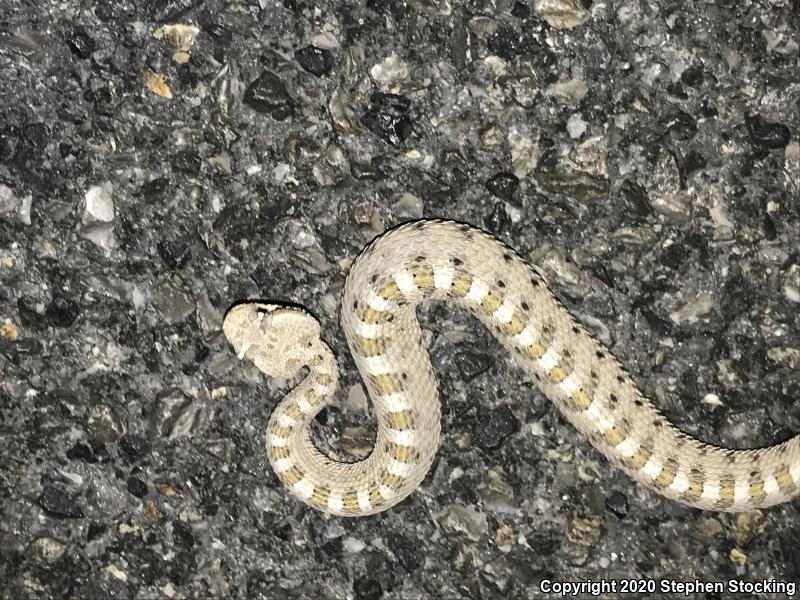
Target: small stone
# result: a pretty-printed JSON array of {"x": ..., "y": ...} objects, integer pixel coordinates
[
  {"x": 504, "y": 536},
  {"x": 316, "y": 61},
  {"x": 636, "y": 201},
  {"x": 767, "y": 134},
  {"x": 390, "y": 71},
  {"x": 617, "y": 503},
  {"x": 695, "y": 309},
  {"x": 408, "y": 207},
  {"x": 155, "y": 188},
  {"x": 137, "y": 487},
  {"x": 491, "y": 135},
  {"x": 47, "y": 549},
  {"x": 104, "y": 423},
  {"x": 333, "y": 548},
  {"x": 388, "y": 117},
  {"x": 675, "y": 206},
  {"x": 576, "y": 126},
  {"x": 790, "y": 356},
  {"x": 791, "y": 284},
  {"x": 221, "y": 163},
  {"x": 8, "y": 332},
  {"x": 505, "y": 43},
  {"x": 503, "y": 185},
  {"x": 568, "y": 92},
  {"x": 356, "y": 442},
  {"x": 357, "y": 399},
  {"x": 8, "y": 201},
  {"x": 464, "y": 519},
  {"x": 708, "y": 528},
  {"x": 175, "y": 415},
  {"x": 590, "y": 156},
  {"x": 62, "y": 312},
  {"x": 693, "y": 76},
  {"x": 157, "y": 83},
  {"x": 524, "y": 151},
  {"x": 98, "y": 205},
  {"x": 465, "y": 557},
  {"x": 682, "y": 126},
  {"x": 406, "y": 551},
  {"x": 585, "y": 532},
  {"x": 462, "y": 45},
  {"x": 664, "y": 188},
  {"x": 352, "y": 545},
  {"x": 135, "y": 446},
  {"x": 525, "y": 90},
  {"x": 151, "y": 511},
  {"x": 174, "y": 304},
  {"x": 493, "y": 66},
  {"x": 367, "y": 588},
  {"x": 494, "y": 427},
  {"x": 749, "y": 525},
  {"x": 25, "y": 209},
  {"x": 55, "y": 502},
  {"x": 126, "y": 528},
  {"x": 471, "y": 364},
  {"x": 116, "y": 573},
  {"x": 791, "y": 155},
  {"x": 187, "y": 162},
  {"x": 498, "y": 494},
  {"x": 30, "y": 311},
  {"x": 209, "y": 317},
  {"x": 560, "y": 14},
  {"x": 567, "y": 273},
  {"x": 498, "y": 221},
  {"x": 581, "y": 186},
  {"x": 174, "y": 254},
  {"x": 268, "y": 95},
  {"x": 180, "y": 36},
  {"x": 325, "y": 40},
  {"x": 182, "y": 535},
  {"x": 692, "y": 162},
  {"x": 712, "y": 400},
  {"x": 342, "y": 114},
  {"x": 520, "y": 10},
  {"x": 738, "y": 557},
  {"x": 80, "y": 43},
  {"x": 368, "y": 219},
  {"x": 166, "y": 489},
  {"x": 98, "y": 216},
  {"x": 440, "y": 8}
]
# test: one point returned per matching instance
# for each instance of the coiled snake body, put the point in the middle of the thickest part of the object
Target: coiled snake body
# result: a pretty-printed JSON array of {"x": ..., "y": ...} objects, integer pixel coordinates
[{"x": 443, "y": 260}]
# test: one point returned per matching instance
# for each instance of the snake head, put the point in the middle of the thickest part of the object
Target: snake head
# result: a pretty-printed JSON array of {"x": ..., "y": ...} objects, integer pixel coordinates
[{"x": 278, "y": 339}]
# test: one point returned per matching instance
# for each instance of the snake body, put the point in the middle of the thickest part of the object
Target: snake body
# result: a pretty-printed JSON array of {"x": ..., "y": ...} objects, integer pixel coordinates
[{"x": 443, "y": 260}]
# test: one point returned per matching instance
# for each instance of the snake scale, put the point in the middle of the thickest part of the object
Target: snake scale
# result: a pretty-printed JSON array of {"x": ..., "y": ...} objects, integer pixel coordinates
[{"x": 444, "y": 260}]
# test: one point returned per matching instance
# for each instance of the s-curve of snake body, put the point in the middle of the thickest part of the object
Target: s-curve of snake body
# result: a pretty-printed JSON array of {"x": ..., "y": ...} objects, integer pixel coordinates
[{"x": 444, "y": 260}]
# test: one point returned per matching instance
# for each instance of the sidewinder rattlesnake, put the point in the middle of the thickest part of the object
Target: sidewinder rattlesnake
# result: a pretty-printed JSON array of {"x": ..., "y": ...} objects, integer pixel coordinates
[{"x": 443, "y": 260}]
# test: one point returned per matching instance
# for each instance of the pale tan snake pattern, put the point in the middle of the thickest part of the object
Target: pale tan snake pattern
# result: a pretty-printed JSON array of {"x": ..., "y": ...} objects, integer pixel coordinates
[{"x": 457, "y": 263}]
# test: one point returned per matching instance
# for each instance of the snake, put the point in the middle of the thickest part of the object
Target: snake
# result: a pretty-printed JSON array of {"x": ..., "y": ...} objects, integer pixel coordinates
[{"x": 433, "y": 259}]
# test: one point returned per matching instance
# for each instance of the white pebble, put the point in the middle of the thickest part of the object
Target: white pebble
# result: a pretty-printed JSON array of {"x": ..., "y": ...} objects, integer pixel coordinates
[
  {"x": 391, "y": 70},
  {"x": 791, "y": 285},
  {"x": 409, "y": 206},
  {"x": 353, "y": 546},
  {"x": 576, "y": 126},
  {"x": 98, "y": 205},
  {"x": 568, "y": 92},
  {"x": 8, "y": 201}
]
